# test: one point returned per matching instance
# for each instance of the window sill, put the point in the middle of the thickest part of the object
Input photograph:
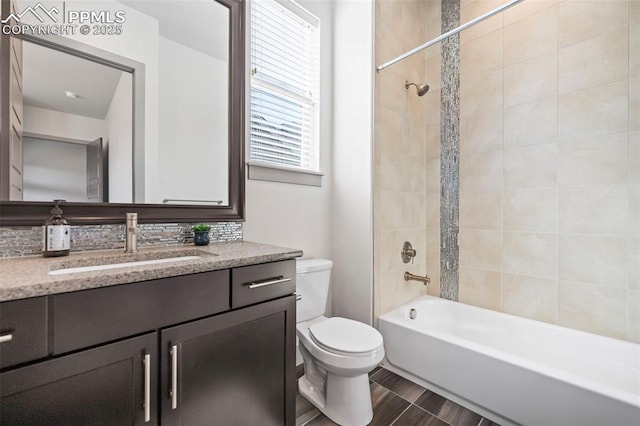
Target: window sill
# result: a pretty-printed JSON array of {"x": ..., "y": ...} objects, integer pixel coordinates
[{"x": 259, "y": 170}]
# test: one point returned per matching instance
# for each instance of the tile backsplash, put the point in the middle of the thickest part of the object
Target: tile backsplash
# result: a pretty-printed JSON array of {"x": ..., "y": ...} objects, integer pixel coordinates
[{"x": 18, "y": 241}]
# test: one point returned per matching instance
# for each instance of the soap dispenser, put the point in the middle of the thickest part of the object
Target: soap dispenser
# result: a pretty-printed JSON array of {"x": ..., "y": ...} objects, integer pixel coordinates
[{"x": 57, "y": 233}]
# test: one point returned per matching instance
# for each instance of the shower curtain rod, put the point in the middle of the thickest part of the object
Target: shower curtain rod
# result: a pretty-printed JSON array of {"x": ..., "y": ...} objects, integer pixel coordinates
[{"x": 449, "y": 34}]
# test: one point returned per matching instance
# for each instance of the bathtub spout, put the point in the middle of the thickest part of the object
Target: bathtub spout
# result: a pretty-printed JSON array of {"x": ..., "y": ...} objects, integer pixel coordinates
[{"x": 410, "y": 277}]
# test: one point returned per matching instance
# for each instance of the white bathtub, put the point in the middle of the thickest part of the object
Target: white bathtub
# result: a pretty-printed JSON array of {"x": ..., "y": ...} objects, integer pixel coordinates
[{"x": 514, "y": 370}]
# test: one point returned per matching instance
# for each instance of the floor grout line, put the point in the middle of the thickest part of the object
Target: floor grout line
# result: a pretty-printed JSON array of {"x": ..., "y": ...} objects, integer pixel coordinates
[{"x": 400, "y": 415}]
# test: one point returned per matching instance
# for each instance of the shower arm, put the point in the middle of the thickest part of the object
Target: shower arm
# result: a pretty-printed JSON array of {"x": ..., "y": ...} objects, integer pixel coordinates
[{"x": 449, "y": 34}]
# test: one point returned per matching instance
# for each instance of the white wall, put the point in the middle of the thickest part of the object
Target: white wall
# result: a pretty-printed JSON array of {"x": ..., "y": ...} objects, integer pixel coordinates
[
  {"x": 54, "y": 170},
  {"x": 119, "y": 121},
  {"x": 139, "y": 41},
  {"x": 47, "y": 122},
  {"x": 193, "y": 145},
  {"x": 352, "y": 226},
  {"x": 294, "y": 215}
]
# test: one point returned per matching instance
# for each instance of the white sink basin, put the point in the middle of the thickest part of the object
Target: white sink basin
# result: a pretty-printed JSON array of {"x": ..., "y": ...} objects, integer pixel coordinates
[{"x": 93, "y": 268}]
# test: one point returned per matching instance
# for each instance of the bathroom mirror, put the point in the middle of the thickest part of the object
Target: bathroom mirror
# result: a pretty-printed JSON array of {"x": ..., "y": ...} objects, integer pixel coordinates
[{"x": 143, "y": 115}]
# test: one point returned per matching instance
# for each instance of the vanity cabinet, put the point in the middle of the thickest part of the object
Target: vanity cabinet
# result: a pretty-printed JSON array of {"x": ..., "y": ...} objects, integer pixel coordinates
[
  {"x": 231, "y": 368},
  {"x": 170, "y": 351},
  {"x": 100, "y": 386}
]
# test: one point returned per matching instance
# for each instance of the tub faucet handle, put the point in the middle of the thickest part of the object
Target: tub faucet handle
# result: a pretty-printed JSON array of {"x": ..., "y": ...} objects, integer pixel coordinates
[{"x": 408, "y": 252}]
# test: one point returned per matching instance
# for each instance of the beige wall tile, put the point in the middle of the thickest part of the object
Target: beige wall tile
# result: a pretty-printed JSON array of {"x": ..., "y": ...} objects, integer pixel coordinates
[
  {"x": 530, "y": 297},
  {"x": 389, "y": 211},
  {"x": 634, "y": 49},
  {"x": 529, "y": 254},
  {"x": 593, "y": 160},
  {"x": 482, "y": 54},
  {"x": 593, "y": 209},
  {"x": 480, "y": 288},
  {"x": 432, "y": 209},
  {"x": 634, "y": 157},
  {"x": 481, "y": 172},
  {"x": 583, "y": 19},
  {"x": 526, "y": 9},
  {"x": 432, "y": 76},
  {"x": 389, "y": 129},
  {"x": 531, "y": 210},
  {"x": 596, "y": 61},
  {"x": 596, "y": 111},
  {"x": 481, "y": 131},
  {"x": 433, "y": 247},
  {"x": 532, "y": 79},
  {"x": 633, "y": 322},
  {"x": 593, "y": 259},
  {"x": 531, "y": 123},
  {"x": 481, "y": 210},
  {"x": 390, "y": 91},
  {"x": 592, "y": 308},
  {"x": 533, "y": 166},
  {"x": 395, "y": 291},
  {"x": 480, "y": 249},
  {"x": 634, "y": 12},
  {"x": 433, "y": 108},
  {"x": 634, "y": 263},
  {"x": 475, "y": 9},
  {"x": 433, "y": 176},
  {"x": 388, "y": 12},
  {"x": 634, "y": 209},
  {"x": 432, "y": 11},
  {"x": 433, "y": 142},
  {"x": 393, "y": 171},
  {"x": 413, "y": 208},
  {"x": 634, "y": 103},
  {"x": 483, "y": 92},
  {"x": 531, "y": 37}
]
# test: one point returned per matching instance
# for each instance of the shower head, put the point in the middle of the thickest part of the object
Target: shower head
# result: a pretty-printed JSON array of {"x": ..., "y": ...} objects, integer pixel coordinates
[{"x": 421, "y": 89}]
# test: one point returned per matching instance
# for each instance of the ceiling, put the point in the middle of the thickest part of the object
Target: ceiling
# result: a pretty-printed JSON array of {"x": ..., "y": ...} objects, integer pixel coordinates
[
  {"x": 49, "y": 73},
  {"x": 202, "y": 25}
]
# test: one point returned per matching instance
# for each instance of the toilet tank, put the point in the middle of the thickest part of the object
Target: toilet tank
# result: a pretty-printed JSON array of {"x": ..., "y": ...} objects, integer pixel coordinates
[{"x": 312, "y": 284}]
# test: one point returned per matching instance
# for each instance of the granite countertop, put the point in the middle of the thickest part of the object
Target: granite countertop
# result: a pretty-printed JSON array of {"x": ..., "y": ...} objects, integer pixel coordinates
[{"x": 25, "y": 277}]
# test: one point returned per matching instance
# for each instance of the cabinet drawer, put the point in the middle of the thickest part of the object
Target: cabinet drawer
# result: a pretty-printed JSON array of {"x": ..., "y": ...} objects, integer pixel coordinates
[
  {"x": 90, "y": 317},
  {"x": 257, "y": 283},
  {"x": 26, "y": 322}
]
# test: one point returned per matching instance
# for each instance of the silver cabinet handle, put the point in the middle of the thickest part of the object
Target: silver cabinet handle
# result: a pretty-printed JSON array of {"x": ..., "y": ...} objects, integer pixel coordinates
[
  {"x": 147, "y": 388},
  {"x": 266, "y": 283},
  {"x": 6, "y": 338},
  {"x": 174, "y": 377}
]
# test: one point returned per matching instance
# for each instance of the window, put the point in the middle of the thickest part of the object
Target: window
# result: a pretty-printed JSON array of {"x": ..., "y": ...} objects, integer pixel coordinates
[{"x": 285, "y": 54}]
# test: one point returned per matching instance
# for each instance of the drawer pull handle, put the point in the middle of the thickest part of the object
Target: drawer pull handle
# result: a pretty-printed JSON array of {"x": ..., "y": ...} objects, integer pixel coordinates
[
  {"x": 6, "y": 338},
  {"x": 174, "y": 377},
  {"x": 266, "y": 283},
  {"x": 147, "y": 388}
]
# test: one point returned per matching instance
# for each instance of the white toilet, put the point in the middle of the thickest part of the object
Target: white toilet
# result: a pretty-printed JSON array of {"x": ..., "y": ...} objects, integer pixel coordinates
[{"x": 338, "y": 353}]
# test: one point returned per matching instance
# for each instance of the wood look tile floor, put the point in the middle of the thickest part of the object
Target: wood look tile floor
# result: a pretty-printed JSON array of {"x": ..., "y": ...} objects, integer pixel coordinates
[{"x": 399, "y": 402}]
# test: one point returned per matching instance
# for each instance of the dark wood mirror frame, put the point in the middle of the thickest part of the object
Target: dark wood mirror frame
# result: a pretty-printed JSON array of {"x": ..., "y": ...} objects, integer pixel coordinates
[{"x": 29, "y": 213}]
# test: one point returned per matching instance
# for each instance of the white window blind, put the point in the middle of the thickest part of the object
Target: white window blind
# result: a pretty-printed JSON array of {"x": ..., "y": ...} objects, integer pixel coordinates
[{"x": 285, "y": 55}]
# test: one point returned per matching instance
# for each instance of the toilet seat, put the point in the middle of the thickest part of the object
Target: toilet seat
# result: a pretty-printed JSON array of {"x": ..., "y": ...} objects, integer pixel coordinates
[{"x": 345, "y": 337}]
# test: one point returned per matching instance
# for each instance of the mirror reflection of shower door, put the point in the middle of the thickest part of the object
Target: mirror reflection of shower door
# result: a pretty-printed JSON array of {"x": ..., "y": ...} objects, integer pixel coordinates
[{"x": 94, "y": 171}]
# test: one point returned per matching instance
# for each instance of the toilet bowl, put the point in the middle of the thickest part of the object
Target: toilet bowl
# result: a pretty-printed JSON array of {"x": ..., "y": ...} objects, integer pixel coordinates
[{"x": 338, "y": 353}]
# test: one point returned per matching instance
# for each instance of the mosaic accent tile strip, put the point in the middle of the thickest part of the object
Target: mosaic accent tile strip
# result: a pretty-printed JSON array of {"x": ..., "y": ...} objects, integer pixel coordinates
[
  {"x": 26, "y": 240},
  {"x": 450, "y": 152}
]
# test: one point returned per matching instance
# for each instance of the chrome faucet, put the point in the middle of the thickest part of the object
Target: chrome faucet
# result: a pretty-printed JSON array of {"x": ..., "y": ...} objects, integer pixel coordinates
[{"x": 131, "y": 233}]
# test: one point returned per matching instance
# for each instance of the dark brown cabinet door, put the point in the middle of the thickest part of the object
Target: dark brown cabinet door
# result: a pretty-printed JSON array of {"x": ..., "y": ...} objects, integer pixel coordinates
[
  {"x": 108, "y": 385},
  {"x": 236, "y": 368}
]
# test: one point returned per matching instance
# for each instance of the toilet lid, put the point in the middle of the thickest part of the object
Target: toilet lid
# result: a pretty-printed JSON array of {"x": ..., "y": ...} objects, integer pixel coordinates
[{"x": 345, "y": 336}]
